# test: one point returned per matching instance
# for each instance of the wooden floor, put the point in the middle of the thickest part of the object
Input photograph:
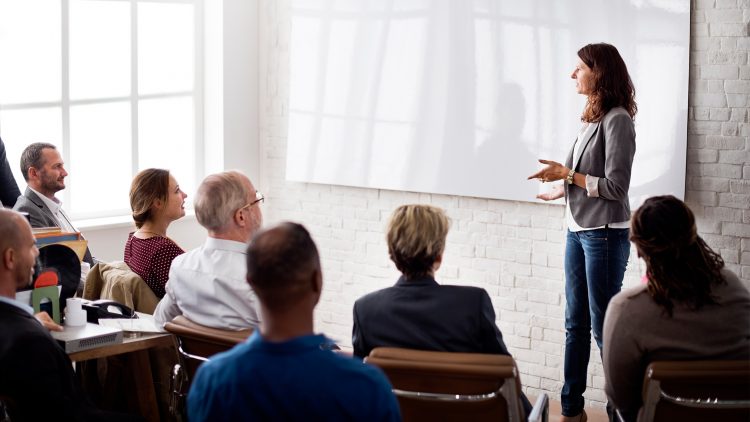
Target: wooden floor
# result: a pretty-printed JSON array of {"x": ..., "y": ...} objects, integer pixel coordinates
[{"x": 594, "y": 414}]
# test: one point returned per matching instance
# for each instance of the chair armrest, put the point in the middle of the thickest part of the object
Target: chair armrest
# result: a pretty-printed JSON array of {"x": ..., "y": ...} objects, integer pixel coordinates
[
  {"x": 540, "y": 411},
  {"x": 619, "y": 416}
]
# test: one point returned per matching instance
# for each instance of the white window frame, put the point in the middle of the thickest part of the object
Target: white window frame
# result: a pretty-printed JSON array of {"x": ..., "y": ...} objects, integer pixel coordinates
[{"x": 133, "y": 98}]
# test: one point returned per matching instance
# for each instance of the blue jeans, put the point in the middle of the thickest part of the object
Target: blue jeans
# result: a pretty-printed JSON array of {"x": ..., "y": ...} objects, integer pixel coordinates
[{"x": 595, "y": 262}]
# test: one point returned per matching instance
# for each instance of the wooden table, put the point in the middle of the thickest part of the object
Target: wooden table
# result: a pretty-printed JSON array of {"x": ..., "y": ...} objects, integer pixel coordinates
[
  {"x": 137, "y": 359},
  {"x": 143, "y": 342}
]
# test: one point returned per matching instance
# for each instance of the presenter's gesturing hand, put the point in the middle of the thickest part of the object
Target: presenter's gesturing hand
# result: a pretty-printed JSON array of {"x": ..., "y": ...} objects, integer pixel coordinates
[
  {"x": 553, "y": 172},
  {"x": 556, "y": 193}
]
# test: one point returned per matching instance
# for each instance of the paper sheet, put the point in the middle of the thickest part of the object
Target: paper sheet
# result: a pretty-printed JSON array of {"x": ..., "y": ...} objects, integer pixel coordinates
[{"x": 140, "y": 324}]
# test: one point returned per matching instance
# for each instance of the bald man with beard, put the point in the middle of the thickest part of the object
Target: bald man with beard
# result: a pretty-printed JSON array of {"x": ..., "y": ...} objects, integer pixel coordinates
[{"x": 37, "y": 381}]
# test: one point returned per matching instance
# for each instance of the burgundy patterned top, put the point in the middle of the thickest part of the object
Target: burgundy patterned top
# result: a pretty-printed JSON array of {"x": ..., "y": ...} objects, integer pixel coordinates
[{"x": 150, "y": 258}]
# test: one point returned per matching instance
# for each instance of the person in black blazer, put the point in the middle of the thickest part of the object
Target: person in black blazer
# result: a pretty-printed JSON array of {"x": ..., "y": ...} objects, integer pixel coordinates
[
  {"x": 8, "y": 188},
  {"x": 37, "y": 381},
  {"x": 418, "y": 313},
  {"x": 421, "y": 314}
]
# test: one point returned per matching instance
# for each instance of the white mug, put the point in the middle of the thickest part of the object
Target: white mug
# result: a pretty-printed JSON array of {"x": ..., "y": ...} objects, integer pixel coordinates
[{"x": 75, "y": 316}]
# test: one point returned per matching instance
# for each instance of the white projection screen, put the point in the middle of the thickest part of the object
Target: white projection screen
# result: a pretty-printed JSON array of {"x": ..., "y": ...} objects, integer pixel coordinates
[{"x": 462, "y": 97}]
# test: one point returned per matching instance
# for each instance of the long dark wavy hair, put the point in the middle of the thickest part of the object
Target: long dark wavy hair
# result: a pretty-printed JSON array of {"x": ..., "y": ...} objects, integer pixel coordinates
[
  {"x": 680, "y": 266},
  {"x": 612, "y": 84}
]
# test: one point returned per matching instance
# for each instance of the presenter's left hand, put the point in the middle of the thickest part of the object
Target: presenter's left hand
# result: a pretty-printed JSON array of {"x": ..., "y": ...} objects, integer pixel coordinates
[
  {"x": 552, "y": 172},
  {"x": 556, "y": 193}
]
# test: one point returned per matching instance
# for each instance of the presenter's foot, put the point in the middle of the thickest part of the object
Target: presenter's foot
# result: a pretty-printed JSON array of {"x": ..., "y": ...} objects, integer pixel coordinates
[{"x": 581, "y": 417}]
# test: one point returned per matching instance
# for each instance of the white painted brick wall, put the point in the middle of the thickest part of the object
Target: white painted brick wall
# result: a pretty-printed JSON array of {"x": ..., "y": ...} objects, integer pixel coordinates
[{"x": 513, "y": 249}]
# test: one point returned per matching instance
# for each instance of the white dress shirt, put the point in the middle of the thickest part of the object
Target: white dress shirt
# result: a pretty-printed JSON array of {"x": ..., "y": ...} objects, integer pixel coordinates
[
  {"x": 207, "y": 285},
  {"x": 17, "y": 304},
  {"x": 56, "y": 207}
]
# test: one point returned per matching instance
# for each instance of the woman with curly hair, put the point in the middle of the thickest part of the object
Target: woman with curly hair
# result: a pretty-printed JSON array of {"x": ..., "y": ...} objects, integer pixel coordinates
[
  {"x": 596, "y": 180},
  {"x": 691, "y": 307}
]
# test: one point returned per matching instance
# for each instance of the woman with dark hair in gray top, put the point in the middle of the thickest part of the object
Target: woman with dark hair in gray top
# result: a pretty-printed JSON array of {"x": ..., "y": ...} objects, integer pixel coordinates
[{"x": 691, "y": 307}]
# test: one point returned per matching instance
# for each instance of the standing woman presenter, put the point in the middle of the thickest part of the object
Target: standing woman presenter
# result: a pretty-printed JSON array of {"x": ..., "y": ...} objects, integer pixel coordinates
[{"x": 596, "y": 179}]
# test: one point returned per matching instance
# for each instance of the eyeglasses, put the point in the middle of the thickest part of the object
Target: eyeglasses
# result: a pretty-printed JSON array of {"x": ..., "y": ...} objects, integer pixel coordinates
[{"x": 258, "y": 198}]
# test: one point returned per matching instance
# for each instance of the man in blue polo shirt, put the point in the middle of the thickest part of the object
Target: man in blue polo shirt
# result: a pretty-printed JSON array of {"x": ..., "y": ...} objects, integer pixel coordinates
[{"x": 284, "y": 371}]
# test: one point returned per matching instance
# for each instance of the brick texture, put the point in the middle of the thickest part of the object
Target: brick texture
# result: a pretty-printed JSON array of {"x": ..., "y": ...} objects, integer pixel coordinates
[{"x": 513, "y": 249}]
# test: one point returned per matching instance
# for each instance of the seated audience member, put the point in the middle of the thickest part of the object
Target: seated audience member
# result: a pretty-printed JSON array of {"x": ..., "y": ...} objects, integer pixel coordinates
[
  {"x": 156, "y": 201},
  {"x": 419, "y": 313},
  {"x": 9, "y": 192},
  {"x": 284, "y": 371},
  {"x": 36, "y": 376},
  {"x": 43, "y": 169},
  {"x": 692, "y": 308},
  {"x": 208, "y": 284}
]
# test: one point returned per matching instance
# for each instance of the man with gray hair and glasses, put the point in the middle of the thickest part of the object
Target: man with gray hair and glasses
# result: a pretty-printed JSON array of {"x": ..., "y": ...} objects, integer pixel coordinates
[{"x": 207, "y": 285}]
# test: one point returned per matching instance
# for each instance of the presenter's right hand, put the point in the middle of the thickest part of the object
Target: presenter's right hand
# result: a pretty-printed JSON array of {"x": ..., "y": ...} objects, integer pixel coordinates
[{"x": 557, "y": 192}]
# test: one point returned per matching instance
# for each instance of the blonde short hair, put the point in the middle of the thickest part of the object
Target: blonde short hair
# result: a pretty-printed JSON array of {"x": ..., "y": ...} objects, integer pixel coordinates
[
  {"x": 416, "y": 238},
  {"x": 218, "y": 197}
]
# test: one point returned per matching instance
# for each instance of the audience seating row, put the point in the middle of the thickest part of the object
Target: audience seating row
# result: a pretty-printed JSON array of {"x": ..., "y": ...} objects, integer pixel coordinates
[
  {"x": 453, "y": 386},
  {"x": 483, "y": 387}
]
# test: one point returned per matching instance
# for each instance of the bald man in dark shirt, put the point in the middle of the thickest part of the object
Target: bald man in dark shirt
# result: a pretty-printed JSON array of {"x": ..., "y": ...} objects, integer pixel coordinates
[{"x": 37, "y": 381}]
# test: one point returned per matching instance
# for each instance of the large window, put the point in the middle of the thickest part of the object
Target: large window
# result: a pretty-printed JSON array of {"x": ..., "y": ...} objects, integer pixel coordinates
[{"x": 115, "y": 84}]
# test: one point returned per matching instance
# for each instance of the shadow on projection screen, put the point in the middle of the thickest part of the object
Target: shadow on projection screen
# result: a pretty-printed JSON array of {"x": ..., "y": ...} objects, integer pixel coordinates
[{"x": 461, "y": 98}]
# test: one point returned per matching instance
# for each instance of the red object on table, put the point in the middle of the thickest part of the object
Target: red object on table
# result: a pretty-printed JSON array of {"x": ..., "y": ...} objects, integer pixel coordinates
[{"x": 48, "y": 277}]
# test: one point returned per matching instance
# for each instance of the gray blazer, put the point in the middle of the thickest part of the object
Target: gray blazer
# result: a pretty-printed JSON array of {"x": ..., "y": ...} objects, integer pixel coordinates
[
  {"x": 40, "y": 215},
  {"x": 606, "y": 151}
]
